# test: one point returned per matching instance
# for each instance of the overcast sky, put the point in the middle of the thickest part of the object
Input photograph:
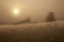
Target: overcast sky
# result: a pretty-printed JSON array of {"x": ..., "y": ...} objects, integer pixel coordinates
[{"x": 35, "y": 9}]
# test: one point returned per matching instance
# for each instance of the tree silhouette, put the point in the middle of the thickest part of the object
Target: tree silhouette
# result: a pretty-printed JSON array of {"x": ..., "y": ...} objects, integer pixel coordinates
[
  {"x": 28, "y": 20},
  {"x": 50, "y": 17}
]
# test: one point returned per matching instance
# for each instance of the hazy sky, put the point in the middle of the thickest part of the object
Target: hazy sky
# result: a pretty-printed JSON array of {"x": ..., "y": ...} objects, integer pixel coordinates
[{"x": 35, "y": 9}]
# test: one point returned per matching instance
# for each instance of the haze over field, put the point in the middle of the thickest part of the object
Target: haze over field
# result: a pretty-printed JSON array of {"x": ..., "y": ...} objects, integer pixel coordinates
[
  {"x": 35, "y": 9},
  {"x": 31, "y": 20},
  {"x": 39, "y": 32}
]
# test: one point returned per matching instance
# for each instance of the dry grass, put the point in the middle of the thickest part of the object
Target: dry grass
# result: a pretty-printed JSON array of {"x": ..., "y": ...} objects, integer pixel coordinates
[{"x": 47, "y": 33}]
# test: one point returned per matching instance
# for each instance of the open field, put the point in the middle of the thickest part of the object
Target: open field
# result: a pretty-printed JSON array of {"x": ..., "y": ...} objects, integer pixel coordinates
[{"x": 38, "y": 32}]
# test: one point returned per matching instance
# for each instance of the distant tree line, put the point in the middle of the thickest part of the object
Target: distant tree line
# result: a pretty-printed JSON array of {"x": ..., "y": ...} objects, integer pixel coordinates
[
  {"x": 27, "y": 20},
  {"x": 49, "y": 18}
]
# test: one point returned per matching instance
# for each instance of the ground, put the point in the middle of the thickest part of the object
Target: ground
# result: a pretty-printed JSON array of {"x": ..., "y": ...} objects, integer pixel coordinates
[{"x": 38, "y": 32}]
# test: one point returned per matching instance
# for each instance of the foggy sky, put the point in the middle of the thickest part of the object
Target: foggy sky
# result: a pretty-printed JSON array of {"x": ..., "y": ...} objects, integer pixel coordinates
[{"x": 35, "y": 9}]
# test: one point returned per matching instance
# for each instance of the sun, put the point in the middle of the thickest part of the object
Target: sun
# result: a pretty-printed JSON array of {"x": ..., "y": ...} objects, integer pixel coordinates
[{"x": 16, "y": 11}]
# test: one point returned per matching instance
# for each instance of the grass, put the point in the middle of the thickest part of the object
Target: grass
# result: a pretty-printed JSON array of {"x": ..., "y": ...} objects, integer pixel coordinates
[{"x": 49, "y": 33}]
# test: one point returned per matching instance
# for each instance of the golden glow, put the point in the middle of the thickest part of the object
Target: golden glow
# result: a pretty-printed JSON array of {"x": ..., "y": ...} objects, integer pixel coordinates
[{"x": 16, "y": 11}]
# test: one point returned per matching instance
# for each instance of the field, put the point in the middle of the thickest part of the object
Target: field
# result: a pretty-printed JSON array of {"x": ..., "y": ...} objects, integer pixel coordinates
[{"x": 37, "y": 32}]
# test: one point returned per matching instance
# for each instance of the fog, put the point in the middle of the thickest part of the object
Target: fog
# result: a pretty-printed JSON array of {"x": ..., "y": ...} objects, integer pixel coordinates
[{"x": 35, "y": 9}]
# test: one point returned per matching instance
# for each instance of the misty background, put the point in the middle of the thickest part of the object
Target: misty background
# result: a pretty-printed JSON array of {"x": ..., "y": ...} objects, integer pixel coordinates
[{"x": 37, "y": 10}]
